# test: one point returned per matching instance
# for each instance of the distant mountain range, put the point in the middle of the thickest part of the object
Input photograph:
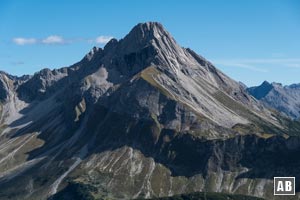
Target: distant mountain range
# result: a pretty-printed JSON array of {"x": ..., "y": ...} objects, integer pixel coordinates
[
  {"x": 140, "y": 118},
  {"x": 285, "y": 99}
]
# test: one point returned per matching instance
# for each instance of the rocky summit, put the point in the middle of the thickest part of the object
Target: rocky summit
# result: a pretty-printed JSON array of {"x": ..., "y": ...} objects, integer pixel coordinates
[
  {"x": 282, "y": 98},
  {"x": 140, "y": 118}
]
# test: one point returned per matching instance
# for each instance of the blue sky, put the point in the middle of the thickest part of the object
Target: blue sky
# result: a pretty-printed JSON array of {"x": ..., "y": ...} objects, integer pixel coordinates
[{"x": 251, "y": 41}]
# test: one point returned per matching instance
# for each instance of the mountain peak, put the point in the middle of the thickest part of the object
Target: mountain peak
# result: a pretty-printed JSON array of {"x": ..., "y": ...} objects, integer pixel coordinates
[
  {"x": 275, "y": 84},
  {"x": 265, "y": 83},
  {"x": 279, "y": 97},
  {"x": 92, "y": 52},
  {"x": 149, "y": 30},
  {"x": 125, "y": 110},
  {"x": 145, "y": 34},
  {"x": 261, "y": 91},
  {"x": 295, "y": 86}
]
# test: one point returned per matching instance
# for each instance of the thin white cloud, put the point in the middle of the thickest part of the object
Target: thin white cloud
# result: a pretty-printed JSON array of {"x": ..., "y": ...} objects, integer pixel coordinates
[
  {"x": 245, "y": 66},
  {"x": 103, "y": 39},
  {"x": 267, "y": 60},
  {"x": 53, "y": 39},
  {"x": 56, "y": 39},
  {"x": 260, "y": 64},
  {"x": 17, "y": 63},
  {"x": 293, "y": 65},
  {"x": 24, "y": 41}
]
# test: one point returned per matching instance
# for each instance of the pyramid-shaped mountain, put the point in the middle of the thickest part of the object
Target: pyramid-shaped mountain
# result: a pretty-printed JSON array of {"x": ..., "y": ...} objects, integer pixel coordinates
[{"x": 140, "y": 118}]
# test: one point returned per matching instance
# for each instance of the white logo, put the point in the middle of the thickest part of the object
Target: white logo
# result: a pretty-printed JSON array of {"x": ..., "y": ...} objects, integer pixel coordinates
[{"x": 284, "y": 185}]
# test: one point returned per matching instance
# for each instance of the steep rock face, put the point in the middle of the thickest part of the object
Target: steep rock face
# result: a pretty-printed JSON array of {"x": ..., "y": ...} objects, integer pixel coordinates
[
  {"x": 9, "y": 103},
  {"x": 3, "y": 88},
  {"x": 282, "y": 98},
  {"x": 142, "y": 111},
  {"x": 261, "y": 91},
  {"x": 40, "y": 83},
  {"x": 6, "y": 85}
]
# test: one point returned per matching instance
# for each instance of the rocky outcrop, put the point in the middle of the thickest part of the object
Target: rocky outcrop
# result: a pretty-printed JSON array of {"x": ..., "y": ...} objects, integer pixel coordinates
[
  {"x": 6, "y": 85},
  {"x": 3, "y": 89}
]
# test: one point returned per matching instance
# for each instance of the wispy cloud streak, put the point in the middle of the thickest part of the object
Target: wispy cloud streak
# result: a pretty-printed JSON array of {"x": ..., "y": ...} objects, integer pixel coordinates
[
  {"x": 53, "y": 39},
  {"x": 103, "y": 39},
  {"x": 24, "y": 41},
  {"x": 59, "y": 40},
  {"x": 261, "y": 64}
]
